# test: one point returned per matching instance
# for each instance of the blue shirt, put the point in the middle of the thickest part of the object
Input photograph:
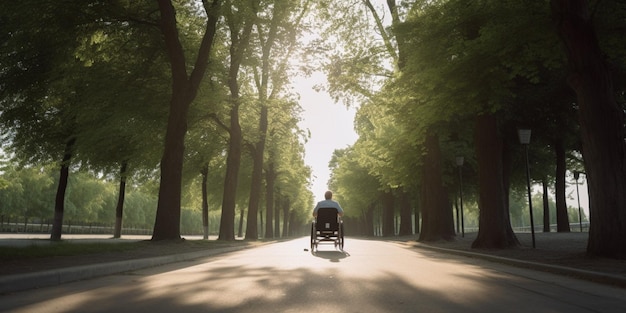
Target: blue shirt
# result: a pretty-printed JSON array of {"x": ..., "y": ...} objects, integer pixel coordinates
[{"x": 328, "y": 204}]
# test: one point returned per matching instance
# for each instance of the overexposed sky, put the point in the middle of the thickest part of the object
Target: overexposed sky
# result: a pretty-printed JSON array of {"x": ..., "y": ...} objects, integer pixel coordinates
[{"x": 331, "y": 125}]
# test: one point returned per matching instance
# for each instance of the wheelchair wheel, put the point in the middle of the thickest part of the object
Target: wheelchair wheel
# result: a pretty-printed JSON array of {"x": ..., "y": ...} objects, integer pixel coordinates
[
  {"x": 341, "y": 240},
  {"x": 313, "y": 236}
]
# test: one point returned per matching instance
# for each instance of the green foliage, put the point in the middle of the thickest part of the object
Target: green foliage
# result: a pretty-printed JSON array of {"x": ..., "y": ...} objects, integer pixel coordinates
[
  {"x": 355, "y": 188},
  {"x": 27, "y": 192},
  {"x": 468, "y": 58},
  {"x": 30, "y": 191},
  {"x": 86, "y": 197},
  {"x": 357, "y": 54},
  {"x": 465, "y": 58},
  {"x": 139, "y": 209}
]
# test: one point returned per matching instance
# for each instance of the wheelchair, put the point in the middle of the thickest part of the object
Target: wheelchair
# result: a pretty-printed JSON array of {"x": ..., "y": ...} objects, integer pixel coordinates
[{"x": 327, "y": 227}]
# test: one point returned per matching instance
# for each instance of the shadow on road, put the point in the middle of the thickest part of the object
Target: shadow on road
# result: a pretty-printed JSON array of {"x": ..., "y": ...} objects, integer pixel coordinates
[{"x": 333, "y": 256}]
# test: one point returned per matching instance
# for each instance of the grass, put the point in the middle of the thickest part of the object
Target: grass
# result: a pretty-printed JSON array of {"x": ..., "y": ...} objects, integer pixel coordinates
[
  {"x": 64, "y": 248},
  {"x": 74, "y": 248}
]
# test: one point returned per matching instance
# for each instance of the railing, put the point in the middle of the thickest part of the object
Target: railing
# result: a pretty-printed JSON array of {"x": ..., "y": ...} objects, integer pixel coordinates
[
  {"x": 574, "y": 227},
  {"x": 69, "y": 229}
]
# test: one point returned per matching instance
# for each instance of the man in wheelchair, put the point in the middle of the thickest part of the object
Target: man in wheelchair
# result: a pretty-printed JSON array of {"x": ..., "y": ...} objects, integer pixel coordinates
[
  {"x": 327, "y": 224},
  {"x": 328, "y": 203}
]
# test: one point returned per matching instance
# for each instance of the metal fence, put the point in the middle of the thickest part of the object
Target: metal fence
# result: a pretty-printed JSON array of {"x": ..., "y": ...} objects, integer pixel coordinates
[
  {"x": 574, "y": 227},
  {"x": 69, "y": 229}
]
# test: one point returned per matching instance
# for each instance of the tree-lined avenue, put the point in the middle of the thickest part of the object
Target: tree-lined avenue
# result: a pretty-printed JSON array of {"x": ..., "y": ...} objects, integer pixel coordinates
[{"x": 369, "y": 276}]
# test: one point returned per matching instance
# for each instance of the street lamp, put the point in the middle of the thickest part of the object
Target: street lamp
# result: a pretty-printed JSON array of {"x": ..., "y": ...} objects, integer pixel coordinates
[
  {"x": 459, "y": 164},
  {"x": 580, "y": 215},
  {"x": 524, "y": 139}
]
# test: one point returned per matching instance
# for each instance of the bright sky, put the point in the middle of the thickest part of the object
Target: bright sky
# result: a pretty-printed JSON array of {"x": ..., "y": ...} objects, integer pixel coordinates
[{"x": 331, "y": 125}]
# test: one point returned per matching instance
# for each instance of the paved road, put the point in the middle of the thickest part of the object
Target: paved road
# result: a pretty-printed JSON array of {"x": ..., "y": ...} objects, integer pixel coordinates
[{"x": 369, "y": 276}]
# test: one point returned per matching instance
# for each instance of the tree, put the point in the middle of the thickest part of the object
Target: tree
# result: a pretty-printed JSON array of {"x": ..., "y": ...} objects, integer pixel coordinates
[
  {"x": 205, "y": 145},
  {"x": 286, "y": 173},
  {"x": 284, "y": 169},
  {"x": 126, "y": 55},
  {"x": 277, "y": 31},
  {"x": 436, "y": 208},
  {"x": 450, "y": 41},
  {"x": 184, "y": 90},
  {"x": 240, "y": 18},
  {"x": 75, "y": 94},
  {"x": 494, "y": 224},
  {"x": 355, "y": 188},
  {"x": 26, "y": 193},
  {"x": 292, "y": 196},
  {"x": 41, "y": 83},
  {"x": 602, "y": 127}
]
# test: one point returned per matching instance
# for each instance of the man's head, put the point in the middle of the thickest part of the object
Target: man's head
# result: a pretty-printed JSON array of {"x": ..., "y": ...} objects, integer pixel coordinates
[{"x": 328, "y": 195}]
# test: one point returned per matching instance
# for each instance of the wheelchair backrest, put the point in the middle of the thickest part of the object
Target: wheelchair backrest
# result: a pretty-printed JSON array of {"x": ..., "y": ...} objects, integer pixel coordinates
[{"x": 327, "y": 219}]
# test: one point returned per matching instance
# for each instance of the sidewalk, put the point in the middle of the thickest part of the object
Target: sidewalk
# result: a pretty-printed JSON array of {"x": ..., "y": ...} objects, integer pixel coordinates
[{"x": 559, "y": 253}]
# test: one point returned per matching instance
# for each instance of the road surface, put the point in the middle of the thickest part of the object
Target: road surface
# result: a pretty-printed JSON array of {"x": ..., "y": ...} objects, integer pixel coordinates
[{"x": 369, "y": 276}]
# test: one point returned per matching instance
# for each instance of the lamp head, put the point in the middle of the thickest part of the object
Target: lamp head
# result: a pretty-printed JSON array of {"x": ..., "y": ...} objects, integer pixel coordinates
[
  {"x": 524, "y": 136},
  {"x": 459, "y": 160}
]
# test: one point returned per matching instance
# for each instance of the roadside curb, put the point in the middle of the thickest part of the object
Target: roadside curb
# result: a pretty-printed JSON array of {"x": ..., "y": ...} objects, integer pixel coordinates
[
  {"x": 597, "y": 277},
  {"x": 20, "y": 282}
]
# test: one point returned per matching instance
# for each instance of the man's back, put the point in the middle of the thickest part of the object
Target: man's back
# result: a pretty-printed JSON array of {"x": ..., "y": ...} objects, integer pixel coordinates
[{"x": 329, "y": 204}]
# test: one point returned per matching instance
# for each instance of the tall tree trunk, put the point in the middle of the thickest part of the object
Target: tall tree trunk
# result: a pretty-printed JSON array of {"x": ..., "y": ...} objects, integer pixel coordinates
[
  {"x": 258, "y": 157},
  {"x": 59, "y": 202},
  {"x": 438, "y": 220},
  {"x": 277, "y": 210},
  {"x": 270, "y": 179},
  {"x": 507, "y": 169},
  {"x": 562, "y": 219},
  {"x": 184, "y": 91},
  {"x": 601, "y": 128},
  {"x": 292, "y": 231},
  {"x": 261, "y": 222},
  {"x": 240, "y": 230},
  {"x": 369, "y": 220},
  {"x": 416, "y": 217},
  {"x": 495, "y": 230},
  {"x": 388, "y": 213},
  {"x": 233, "y": 162},
  {"x": 119, "y": 209},
  {"x": 252, "y": 232},
  {"x": 205, "y": 201},
  {"x": 406, "y": 225},
  {"x": 238, "y": 46},
  {"x": 286, "y": 209},
  {"x": 546, "y": 206},
  {"x": 167, "y": 224}
]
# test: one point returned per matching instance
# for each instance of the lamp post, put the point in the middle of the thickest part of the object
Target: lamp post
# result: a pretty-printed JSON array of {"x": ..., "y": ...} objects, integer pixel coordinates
[
  {"x": 459, "y": 163},
  {"x": 580, "y": 215},
  {"x": 524, "y": 139}
]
